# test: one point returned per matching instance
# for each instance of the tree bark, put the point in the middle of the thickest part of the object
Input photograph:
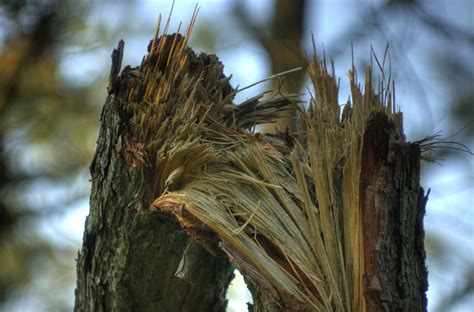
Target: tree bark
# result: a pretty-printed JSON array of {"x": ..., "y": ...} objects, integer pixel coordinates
[
  {"x": 174, "y": 113},
  {"x": 130, "y": 260},
  {"x": 393, "y": 207}
]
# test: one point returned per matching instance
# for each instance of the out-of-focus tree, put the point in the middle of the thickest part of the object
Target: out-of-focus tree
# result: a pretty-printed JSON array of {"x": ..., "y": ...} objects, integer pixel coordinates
[
  {"x": 282, "y": 39},
  {"x": 46, "y": 128}
]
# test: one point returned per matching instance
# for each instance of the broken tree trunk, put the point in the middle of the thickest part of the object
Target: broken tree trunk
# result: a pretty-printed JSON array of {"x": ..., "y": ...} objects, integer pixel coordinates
[
  {"x": 131, "y": 260},
  {"x": 326, "y": 219}
]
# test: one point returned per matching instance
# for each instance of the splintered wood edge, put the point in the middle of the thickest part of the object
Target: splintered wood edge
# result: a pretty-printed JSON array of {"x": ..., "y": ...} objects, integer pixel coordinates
[{"x": 205, "y": 236}]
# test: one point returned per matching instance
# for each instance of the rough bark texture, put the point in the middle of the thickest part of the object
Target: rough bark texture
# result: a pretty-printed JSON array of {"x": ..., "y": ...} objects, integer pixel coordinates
[
  {"x": 134, "y": 258},
  {"x": 393, "y": 206},
  {"x": 129, "y": 259}
]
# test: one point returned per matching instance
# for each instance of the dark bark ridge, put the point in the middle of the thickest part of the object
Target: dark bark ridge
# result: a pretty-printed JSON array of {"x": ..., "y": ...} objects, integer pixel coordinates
[{"x": 393, "y": 206}]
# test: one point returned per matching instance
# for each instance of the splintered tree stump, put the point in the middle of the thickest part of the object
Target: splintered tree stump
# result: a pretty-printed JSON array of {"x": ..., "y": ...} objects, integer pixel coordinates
[
  {"x": 130, "y": 259},
  {"x": 327, "y": 218}
]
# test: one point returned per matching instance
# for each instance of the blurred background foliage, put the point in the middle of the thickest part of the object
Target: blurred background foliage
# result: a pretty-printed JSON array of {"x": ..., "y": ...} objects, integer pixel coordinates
[{"x": 54, "y": 63}]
